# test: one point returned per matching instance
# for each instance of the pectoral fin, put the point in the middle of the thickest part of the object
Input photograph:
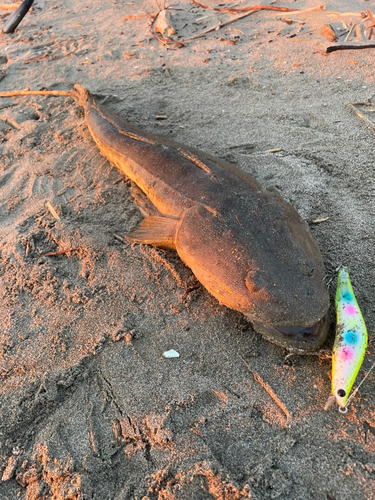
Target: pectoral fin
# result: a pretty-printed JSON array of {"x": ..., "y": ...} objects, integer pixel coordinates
[{"x": 156, "y": 231}]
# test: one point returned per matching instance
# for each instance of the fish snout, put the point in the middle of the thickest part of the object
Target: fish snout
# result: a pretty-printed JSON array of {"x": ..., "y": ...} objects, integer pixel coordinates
[{"x": 296, "y": 338}]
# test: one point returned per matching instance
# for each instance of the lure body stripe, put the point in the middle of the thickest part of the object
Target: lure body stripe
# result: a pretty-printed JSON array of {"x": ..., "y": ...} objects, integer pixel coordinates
[{"x": 350, "y": 342}]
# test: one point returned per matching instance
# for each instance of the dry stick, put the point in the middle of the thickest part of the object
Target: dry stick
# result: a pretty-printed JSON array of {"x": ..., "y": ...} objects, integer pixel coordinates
[
  {"x": 188, "y": 291},
  {"x": 52, "y": 254},
  {"x": 9, "y": 6},
  {"x": 268, "y": 389},
  {"x": 360, "y": 115},
  {"x": 35, "y": 92},
  {"x": 319, "y": 220},
  {"x": 220, "y": 25},
  {"x": 323, "y": 354},
  {"x": 350, "y": 32},
  {"x": 260, "y": 7},
  {"x": 247, "y": 9},
  {"x": 139, "y": 16},
  {"x": 119, "y": 237},
  {"x": 36, "y": 58},
  {"x": 333, "y": 48},
  {"x": 368, "y": 12},
  {"x": 306, "y": 11},
  {"x": 12, "y": 6},
  {"x": 345, "y": 14},
  {"x": 371, "y": 17},
  {"x": 52, "y": 210}
]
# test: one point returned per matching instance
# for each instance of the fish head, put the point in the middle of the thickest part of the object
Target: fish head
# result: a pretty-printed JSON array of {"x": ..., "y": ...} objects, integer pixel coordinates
[
  {"x": 266, "y": 266},
  {"x": 288, "y": 305},
  {"x": 288, "y": 270}
]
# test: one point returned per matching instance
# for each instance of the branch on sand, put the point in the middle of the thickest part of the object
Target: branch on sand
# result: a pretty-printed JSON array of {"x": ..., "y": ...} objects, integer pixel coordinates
[
  {"x": 247, "y": 11},
  {"x": 35, "y": 92},
  {"x": 260, "y": 7}
]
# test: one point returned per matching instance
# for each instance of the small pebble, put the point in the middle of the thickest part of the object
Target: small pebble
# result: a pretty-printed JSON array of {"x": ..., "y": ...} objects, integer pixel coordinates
[{"x": 171, "y": 354}]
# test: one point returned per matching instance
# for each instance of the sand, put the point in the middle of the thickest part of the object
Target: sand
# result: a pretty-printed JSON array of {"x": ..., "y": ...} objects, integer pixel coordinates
[{"x": 89, "y": 407}]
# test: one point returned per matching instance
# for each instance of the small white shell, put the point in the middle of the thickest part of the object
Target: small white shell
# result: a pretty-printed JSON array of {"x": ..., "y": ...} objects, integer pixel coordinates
[{"x": 171, "y": 354}]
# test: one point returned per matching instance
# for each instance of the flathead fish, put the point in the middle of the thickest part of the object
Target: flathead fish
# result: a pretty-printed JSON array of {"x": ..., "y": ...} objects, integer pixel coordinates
[{"x": 247, "y": 246}]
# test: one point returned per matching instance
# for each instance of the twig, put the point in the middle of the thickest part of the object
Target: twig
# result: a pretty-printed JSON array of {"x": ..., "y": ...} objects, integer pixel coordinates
[
  {"x": 261, "y": 7},
  {"x": 363, "y": 117},
  {"x": 62, "y": 252},
  {"x": 119, "y": 238},
  {"x": 275, "y": 150},
  {"x": 220, "y": 25},
  {"x": 368, "y": 12},
  {"x": 34, "y": 92},
  {"x": 268, "y": 389},
  {"x": 188, "y": 291},
  {"x": 9, "y": 6},
  {"x": 36, "y": 58},
  {"x": 306, "y": 11},
  {"x": 52, "y": 210},
  {"x": 360, "y": 115},
  {"x": 347, "y": 14},
  {"x": 319, "y": 220},
  {"x": 164, "y": 41},
  {"x": 323, "y": 354},
  {"x": 247, "y": 9},
  {"x": 332, "y": 48},
  {"x": 350, "y": 32},
  {"x": 139, "y": 16},
  {"x": 371, "y": 17}
]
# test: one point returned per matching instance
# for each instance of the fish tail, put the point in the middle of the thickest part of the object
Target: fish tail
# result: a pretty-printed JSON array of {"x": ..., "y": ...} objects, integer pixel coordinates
[{"x": 80, "y": 95}]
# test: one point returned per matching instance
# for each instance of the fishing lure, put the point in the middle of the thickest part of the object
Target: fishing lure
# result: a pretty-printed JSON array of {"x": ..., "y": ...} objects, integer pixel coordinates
[{"x": 350, "y": 342}]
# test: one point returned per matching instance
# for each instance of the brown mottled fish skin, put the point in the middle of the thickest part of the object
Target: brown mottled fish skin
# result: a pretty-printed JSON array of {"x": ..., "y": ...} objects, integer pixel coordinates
[{"x": 245, "y": 244}]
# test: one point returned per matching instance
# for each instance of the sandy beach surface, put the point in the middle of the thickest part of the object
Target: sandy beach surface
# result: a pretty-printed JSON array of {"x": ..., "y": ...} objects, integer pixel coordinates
[{"x": 89, "y": 407}]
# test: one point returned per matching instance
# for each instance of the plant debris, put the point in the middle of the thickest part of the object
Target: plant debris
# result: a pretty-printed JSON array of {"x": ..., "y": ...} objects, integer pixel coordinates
[
  {"x": 163, "y": 24},
  {"x": 52, "y": 210}
]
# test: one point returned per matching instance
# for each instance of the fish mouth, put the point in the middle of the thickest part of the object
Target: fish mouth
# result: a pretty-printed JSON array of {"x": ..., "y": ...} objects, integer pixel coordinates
[{"x": 296, "y": 338}]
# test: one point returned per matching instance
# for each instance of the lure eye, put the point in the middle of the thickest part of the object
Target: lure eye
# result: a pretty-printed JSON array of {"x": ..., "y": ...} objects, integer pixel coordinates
[{"x": 341, "y": 393}]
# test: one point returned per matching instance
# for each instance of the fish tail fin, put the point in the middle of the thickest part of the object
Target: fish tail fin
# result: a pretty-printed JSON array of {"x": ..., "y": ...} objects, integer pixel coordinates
[
  {"x": 80, "y": 95},
  {"x": 156, "y": 231}
]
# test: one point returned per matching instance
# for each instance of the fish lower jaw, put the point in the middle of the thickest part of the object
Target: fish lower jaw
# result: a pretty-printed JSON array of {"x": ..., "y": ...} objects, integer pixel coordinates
[{"x": 298, "y": 339}]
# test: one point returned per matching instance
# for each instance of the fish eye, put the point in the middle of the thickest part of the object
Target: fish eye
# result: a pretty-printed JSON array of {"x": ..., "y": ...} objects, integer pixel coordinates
[{"x": 341, "y": 393}]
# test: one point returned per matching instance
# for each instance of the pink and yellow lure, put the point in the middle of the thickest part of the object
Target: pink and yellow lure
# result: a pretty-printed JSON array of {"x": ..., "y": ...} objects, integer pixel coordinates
[{"x": 350, "y": 342}]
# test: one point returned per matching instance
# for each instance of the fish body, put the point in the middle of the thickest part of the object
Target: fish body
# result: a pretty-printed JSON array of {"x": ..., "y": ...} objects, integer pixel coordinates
[
  {"x": 351, "y": 339},
  {"x": 245, "y": 244}
]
